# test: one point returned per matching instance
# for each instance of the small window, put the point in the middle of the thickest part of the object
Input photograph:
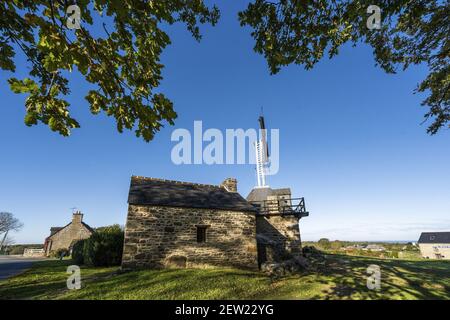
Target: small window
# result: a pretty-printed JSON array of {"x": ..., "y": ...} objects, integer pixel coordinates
[
  {"x": 432, "y": 238},
  {"x": 201, "y": 233}
]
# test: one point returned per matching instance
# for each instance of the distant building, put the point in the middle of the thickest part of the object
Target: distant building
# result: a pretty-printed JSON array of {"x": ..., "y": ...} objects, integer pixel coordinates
[
  {"x": 435, "y": 245},
  {"x": 354, "y": 247},
  {"x": 374, "y": 247},
  {"x": 65, "y": 237}
]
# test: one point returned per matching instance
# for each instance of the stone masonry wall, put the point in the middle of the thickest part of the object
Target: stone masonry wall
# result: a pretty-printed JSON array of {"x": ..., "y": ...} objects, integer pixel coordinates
[
  {"x": 158, "y": 237},
  {"x": 278, "y": 238},
  {"x": 67, "y": 236}
]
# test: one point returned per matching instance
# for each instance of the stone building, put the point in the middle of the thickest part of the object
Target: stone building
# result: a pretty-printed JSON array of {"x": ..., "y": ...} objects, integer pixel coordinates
[
  {"x": 435, "y": 245},
  {"x": 65, "y": 237},
  {"x": 172, "y": 223},
  {"x": 277, "y": 223}
]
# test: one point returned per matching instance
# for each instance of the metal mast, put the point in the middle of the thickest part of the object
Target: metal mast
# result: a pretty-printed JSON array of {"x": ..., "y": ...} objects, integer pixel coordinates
[{"x": 262, "y": 155}]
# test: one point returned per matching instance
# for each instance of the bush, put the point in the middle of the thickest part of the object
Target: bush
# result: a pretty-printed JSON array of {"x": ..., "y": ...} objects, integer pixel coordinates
[
  {"x": 393, "y": 254},
  {"x": 104, "y": 247},
  {"x": 78, "y": 252},
  {"x": 60, "y": 252},
  {"x": 324, "y": 243},
  {"x": 16, "y": 250},
  {"x": 336, "y": 245}
]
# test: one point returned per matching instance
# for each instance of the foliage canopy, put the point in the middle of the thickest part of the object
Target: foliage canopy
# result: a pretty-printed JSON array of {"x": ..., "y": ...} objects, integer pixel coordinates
[{"x": 123, "y": 65}]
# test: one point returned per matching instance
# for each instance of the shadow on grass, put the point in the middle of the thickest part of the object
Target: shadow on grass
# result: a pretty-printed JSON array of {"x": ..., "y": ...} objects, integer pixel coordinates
[
  {"x": 174, "y": 284},
  {"x": 338, "y": 277},
  {"x": 400, "y": 279},
  {"x": 45, "y": 280}
]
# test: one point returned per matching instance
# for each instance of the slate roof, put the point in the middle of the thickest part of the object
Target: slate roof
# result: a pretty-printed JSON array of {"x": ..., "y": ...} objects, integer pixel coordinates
[
  {"x": 54, "y": 230},
  {"x": 282, "y": 191},
  {"x": 261, "y": 194},
  {"x": 434, "y": 237},
  {"x": 159, "y": 192},
  {"x": 88, "y": 227}
]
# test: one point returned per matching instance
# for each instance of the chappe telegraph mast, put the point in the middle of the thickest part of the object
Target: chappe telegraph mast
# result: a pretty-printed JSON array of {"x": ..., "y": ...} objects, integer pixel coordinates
[{"x": 262, "y": 154}]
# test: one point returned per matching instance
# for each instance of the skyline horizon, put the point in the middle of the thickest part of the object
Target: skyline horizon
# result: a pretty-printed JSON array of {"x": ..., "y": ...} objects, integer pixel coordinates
[{"x": 304, "y": 238}]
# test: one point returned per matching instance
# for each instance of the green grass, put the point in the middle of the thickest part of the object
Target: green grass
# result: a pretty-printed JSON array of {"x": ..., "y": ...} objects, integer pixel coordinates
[{"x": 339, "y": 277}]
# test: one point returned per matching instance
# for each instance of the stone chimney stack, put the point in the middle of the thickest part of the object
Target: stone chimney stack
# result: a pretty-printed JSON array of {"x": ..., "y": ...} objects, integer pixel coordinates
[
  {"x": 77, "y": 217},
  {"x": 230, "y": 184}
]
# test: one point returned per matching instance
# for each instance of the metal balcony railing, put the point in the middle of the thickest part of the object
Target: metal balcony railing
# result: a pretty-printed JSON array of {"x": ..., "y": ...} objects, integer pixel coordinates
[{"x": 282, "y": 207}]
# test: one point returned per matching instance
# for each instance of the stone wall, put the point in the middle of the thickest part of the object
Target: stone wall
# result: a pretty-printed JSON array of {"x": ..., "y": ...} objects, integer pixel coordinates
[
  {"x": 68, "y": 236},
  {"x": 158, "y": 237},
  {"x": 278, "y": 238},
  {"x": 32, "y": 252}
]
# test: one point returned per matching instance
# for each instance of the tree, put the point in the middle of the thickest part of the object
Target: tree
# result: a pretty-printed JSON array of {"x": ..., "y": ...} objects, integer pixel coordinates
[
  {"x": 8, "y": 223},
  {"x": 412, "y": 32},
  {"x": 5, "y": 245},
  {"x": 123, "y": 65},
  {"x": 324, "y": 243},
  {"x": 336, "y": 245}
]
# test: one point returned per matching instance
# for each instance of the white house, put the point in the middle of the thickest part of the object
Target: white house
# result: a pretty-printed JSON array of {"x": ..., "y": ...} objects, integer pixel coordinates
[{"x": 435, "y": 245}]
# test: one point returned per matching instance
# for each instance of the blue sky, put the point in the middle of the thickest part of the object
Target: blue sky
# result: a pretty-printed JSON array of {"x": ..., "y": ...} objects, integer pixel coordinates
[{"x": 351, "y": 142}]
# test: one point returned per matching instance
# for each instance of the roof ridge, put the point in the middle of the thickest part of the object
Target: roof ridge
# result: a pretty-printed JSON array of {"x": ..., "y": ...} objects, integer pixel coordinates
[
  {"x": 436, "y": 232},
  {"x": 88, "y": 226},
  {"x": 175, "y": 181}
]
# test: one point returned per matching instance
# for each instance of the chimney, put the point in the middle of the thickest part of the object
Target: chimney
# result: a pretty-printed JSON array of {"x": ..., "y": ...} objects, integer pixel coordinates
[
  {"x": 77, "y": 217},
  {"x": 230, "y": 184}
]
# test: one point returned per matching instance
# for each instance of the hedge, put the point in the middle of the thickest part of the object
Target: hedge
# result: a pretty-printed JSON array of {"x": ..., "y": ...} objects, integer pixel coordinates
[
  {"x": 78, "y": 252},
  {"x": 104, "y": 247},
  {"x": 60, "y": 253}
]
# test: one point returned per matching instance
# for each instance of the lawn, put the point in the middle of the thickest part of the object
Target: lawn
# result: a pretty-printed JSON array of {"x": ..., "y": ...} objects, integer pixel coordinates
[{"x": 338, "y": 277}]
